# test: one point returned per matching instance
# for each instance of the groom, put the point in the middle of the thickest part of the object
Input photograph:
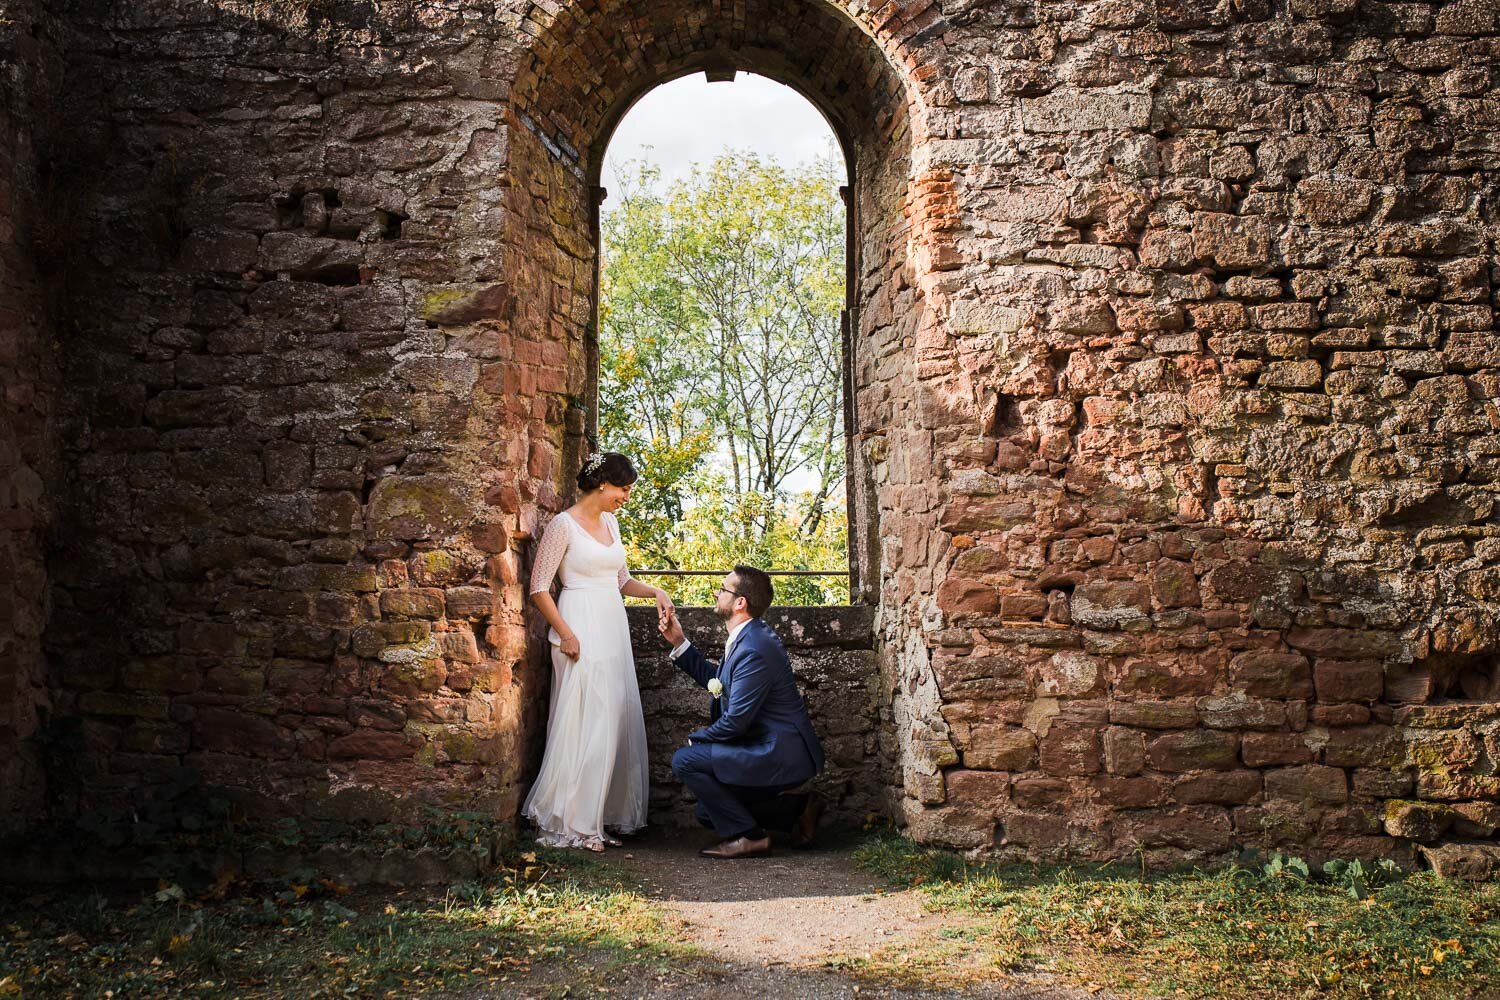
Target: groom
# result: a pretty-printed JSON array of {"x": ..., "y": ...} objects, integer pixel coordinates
[{"x": 760, "y": 743}]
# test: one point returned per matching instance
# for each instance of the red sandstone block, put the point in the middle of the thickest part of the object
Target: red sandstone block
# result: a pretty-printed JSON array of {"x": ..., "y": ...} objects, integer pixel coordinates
[
  {"x": 1038, "y": 794},
  {"x": 458, "y": 645},
  {"x": 1262, "y": 749},
  {"x": 1221, "y": 787},
  {"x": 987, "y": 791},
  {"x": 1023, "y": 605},
  {"x": 957, "y": 595},
  {"x": 415, "y": 602},
  {"x": 1335, "y": 716},
  {"x": 470, "y": 603},
  {"x": 1236, "y": 711},
  {"x": 1173, "y": 584},
  {"x": 210, "y": 638},
  {"x": 1285, "y": 316},
  {"x": 237, "y": 732},
  {"x": 1203, "y": 828},
  {"x": 1139, "y": 792},
  {"x": 1196, "y": 749},
  {"x": 1042, "y": 833},
  {"x": 1153, "y": 714},
  {"x": 1348, "y": 680},
  {"x": 1265, "y": 673},
  {"x": 295, "y": 677},
  {"x": 370, "y": 639},
  {"x": 1217, "y": 318},
  {"x": 376, "y": 713},
  {"x": 1364, "y": 747},
  {"x": 1381, "y": 784},
  {"x": 1000, "y": 748},
  {"x": 1070, "y": 750},
  {"x": 1311, "y": 782},
  {"x": 370, "y": 744},
  {"x": 1408, "y": 685},
  {"x": 1343, "y": 642},
  {"x": 1124, "y": 751}
]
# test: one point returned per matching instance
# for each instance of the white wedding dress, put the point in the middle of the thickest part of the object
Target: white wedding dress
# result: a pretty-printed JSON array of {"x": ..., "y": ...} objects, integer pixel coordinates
[{"x": 594, "y": 771}]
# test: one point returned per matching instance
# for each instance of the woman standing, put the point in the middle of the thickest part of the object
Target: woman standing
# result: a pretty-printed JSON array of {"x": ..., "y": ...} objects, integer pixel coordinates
[{"x": 594, "y": 771}]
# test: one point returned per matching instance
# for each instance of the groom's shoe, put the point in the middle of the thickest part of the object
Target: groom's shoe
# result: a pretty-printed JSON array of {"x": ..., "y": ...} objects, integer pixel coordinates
[
  {"x": 807, "y": 824},
  {"x": 739, "y": 847}
]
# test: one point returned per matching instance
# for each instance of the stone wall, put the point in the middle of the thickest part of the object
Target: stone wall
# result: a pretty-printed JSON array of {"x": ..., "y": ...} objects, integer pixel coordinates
[
  {"x": 308, "y": 430},
  {"x": 1175, "y": 399},
  {"x": 28, "y": 392},
  {"x": 1212, "y": 409},
  {"x": 832, "y": 655}
]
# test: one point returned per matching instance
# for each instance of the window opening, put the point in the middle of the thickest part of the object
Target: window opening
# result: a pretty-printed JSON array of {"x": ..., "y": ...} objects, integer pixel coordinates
[{"x": 721, "y": 352}]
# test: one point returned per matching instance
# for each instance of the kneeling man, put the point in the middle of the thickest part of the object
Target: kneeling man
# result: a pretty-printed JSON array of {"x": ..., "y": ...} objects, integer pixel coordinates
[{"x": 760, "y": 743}]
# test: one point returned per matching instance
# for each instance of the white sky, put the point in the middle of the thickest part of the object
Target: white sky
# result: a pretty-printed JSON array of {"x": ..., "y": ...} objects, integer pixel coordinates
[{"x": 692, "y": 121}]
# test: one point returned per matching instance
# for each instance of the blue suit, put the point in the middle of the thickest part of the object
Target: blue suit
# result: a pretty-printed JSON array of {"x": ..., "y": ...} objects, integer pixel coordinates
[{"x": 760, "y": 741}]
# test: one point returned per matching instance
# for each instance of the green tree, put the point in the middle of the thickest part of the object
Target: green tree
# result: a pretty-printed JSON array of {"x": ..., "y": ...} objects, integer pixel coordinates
[{"x": 720, "y": 368}]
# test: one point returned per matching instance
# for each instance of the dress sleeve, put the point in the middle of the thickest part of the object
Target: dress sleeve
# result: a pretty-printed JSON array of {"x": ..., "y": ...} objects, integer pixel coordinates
[
  {"x": 624, "y": 576},
  {"x": 549, "y": 555}
]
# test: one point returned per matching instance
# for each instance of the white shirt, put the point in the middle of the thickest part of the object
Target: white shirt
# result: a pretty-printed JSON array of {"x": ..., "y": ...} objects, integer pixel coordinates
[{"x": 728, "y": 643}]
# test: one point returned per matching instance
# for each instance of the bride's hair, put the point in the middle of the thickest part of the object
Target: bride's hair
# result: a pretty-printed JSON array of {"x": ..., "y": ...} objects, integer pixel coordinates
[{"x": 606, "y": 467}]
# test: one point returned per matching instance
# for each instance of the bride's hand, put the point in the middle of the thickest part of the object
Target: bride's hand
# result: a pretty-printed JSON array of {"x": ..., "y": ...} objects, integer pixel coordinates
[
  {"x": 570, "y": 647},
  {"x": 664, "y": 607}
]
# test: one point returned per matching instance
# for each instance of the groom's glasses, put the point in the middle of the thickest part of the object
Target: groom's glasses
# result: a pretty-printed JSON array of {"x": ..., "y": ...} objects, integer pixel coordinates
[{"x": 726, "y": 590}]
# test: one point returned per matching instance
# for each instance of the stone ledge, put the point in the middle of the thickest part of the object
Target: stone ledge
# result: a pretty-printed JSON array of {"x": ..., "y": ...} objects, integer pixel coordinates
[{"x": 850, "y": 626}]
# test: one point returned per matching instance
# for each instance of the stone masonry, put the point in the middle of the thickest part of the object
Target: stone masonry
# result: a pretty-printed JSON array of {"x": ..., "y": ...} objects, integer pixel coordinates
[
  {"x": 28, "y": 394},
  {"x": 835, "y": 668},
  {"x": 1175, "y": 425}
]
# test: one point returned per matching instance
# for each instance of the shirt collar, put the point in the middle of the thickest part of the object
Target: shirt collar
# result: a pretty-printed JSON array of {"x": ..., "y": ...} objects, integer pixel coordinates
[{"x": 734, "y": 633}]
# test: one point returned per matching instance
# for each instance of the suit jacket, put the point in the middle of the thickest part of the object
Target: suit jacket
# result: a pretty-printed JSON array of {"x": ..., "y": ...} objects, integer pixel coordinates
[{"x": 761, "y": 735}]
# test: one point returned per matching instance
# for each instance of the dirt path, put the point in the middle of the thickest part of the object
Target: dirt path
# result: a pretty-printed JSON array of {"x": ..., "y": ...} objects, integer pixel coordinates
[
  {"x": 773, "y": 925},
  {"x": 794, "y": 908}
]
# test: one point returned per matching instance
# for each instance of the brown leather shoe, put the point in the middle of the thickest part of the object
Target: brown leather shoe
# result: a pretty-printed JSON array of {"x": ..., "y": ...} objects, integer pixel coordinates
[
  {"x": 807, "y": 824},
  {"x": 739, "y": 847}
]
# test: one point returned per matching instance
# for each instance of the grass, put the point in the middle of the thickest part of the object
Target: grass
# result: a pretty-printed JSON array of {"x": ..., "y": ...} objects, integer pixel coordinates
[
  {"x": 1235, "y": 932},
  {"x": 314, "y": 938}
]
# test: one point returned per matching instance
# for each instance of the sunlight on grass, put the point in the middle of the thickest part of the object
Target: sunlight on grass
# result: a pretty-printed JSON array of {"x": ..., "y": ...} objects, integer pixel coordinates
[
  {"x": 541, "y": 908},
  {"x": 1235, "y": 932}
]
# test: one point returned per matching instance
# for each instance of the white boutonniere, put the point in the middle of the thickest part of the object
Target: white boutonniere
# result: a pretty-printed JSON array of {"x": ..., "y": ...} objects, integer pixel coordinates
[{"x": 715, "y": 687}]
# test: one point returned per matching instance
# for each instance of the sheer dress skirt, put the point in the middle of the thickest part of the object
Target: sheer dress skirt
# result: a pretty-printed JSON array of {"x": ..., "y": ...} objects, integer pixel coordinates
[{"x": 595, "y": 770}]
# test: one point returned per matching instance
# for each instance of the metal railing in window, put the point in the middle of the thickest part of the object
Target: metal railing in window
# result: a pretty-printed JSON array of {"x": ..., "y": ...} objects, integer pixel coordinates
[{"x": 725, "y": 572}]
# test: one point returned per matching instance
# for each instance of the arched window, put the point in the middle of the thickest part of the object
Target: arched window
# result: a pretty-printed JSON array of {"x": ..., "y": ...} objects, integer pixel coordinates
[{"x": 721, "y": 347}]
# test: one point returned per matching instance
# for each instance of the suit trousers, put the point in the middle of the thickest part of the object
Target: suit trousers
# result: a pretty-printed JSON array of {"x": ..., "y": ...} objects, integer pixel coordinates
[{"x": 734, "y": 810}]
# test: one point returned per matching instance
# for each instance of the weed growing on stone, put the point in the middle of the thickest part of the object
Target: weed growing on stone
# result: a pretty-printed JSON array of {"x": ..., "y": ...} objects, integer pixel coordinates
[
  {"x": 1271, "y": 927},
  {"x": 539, "y": 909}
]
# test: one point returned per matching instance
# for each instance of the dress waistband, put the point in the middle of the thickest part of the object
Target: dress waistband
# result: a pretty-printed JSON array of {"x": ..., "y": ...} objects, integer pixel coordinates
[{"x": 600, "y": 588}]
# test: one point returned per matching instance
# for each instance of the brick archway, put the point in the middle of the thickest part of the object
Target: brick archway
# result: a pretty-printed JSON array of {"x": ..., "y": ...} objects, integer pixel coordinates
[{"x": 580, "y": 76}]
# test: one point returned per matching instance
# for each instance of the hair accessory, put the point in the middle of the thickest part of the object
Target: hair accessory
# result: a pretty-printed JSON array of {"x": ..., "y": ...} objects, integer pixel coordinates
[{"x": 595, "y": 460}]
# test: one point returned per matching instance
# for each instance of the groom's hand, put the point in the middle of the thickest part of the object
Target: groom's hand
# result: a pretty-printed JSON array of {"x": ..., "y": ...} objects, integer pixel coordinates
[{"x": 671, "y": 630}]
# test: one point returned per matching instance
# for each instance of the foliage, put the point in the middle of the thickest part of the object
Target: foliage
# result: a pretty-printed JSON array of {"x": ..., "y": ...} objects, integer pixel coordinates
[
  {"x": 1357, "y": 878},
  {"x": 722, "y": 529},
  {"x": 721, "y": 369},
  {"x": 1275, "y": 929}
]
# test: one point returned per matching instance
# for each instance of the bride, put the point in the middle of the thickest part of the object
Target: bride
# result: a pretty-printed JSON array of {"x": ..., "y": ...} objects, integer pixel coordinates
[{"x": 594, "y": 770}]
